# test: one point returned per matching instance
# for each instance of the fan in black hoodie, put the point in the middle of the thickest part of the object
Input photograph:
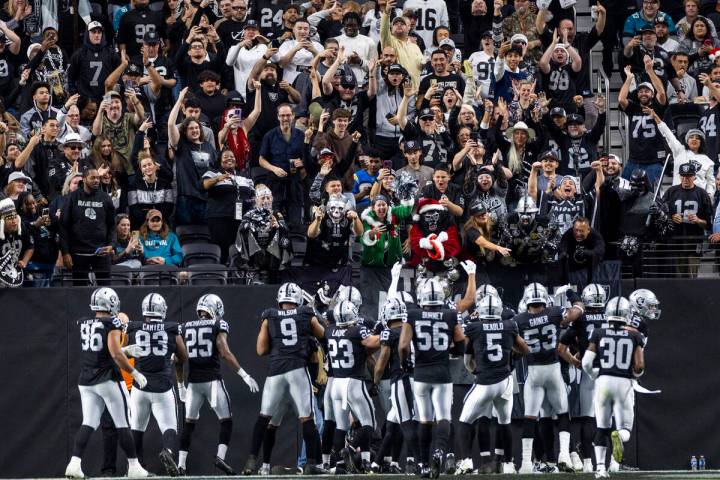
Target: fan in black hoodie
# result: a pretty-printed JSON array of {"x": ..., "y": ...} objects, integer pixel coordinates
[
  {"x": 87, "y": 220},
  {"x": 91, "y": 64}
]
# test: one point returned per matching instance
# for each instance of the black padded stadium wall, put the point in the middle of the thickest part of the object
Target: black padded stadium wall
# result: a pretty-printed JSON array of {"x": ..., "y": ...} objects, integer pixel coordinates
[{"x": 40, "y": 407}]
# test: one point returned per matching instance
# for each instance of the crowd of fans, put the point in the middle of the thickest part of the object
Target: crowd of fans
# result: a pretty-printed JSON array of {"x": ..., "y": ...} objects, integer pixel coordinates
[{"x": 353, "y": 127}]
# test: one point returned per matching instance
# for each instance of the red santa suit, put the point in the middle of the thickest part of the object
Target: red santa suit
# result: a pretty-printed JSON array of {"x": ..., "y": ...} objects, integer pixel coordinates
[{"x": 433, "y": 235}]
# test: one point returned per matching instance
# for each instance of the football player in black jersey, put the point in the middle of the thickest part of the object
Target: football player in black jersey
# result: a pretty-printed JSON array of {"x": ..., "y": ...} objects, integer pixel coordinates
[
  {"x": 540, "y": 327},
  {"x": 100, "y": 383},
  {"x": 491, "y": 341},
  {"x": 284, "y": 335},
  {"x": 619, "y": 351},
  {"x": 401, "y": 419},
  {"x": 153, "y": 343},
  {"x": 432, "y": 329},
  {"x": 206, "y": 341},
  {"x": 577, "y": 336},
  {"x": 348, "y": 346}
]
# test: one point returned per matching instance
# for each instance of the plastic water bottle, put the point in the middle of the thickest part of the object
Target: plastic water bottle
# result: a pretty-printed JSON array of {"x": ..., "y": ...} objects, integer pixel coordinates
[
  {"x": 701, "y": 463},
  {"x": 693, "y": 463}
]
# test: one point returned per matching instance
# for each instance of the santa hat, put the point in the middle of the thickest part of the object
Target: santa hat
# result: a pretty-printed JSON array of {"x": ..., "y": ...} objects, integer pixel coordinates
[
  {"x": 426, "y": 204},
  {"x": 7, "y": 209},
  {"x": 714, "y": 53}
]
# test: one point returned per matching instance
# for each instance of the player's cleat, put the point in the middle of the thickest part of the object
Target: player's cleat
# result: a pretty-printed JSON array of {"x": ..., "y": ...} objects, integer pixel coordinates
[
  {"x": 508, "y": 467},
  {"x": 617, "y": 446},
  {"x": 281, "y": 470},
  {"x": 602, "y": 474},
  {"x": 627, "y": 468},
  {"x": 424, "y": 471},
  {"x": 565, "y": 464},
  {"x": 411, "y": 468},
  {"x": 224, "y": 467},
  {"x": 375, "y": 468},
  {"x": 168, "y": 462},
  {"x": 393, "y": 469},
  {"x": 347, "y": 455},
  {"x": 264, "y": 469},
  {"x": 181, "y": 472},
  {"x": 250, "y": 465},
  {"x": 577, "y": 463},
  {"x": 543, "y": 467},
  {"x": 527, "y": 467},
  {"x": 587, "y": 466},
  {"x": 450, "y": 463},
  {"x": 436, "y": 463},
  {"x": 74, "y": 469},
  {"x": 366, "y": 468},
  {"x": 487, "y": 468},
  {"x": 137, "y": 471},
  {"x": 464, "y": 466},
  {"x": 310, "y": 469}
]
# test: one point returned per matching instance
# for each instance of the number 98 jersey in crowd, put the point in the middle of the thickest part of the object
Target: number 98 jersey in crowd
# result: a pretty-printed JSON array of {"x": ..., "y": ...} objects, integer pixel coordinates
[
  {"x": 200, "y": 338},
  {"x": 97, "y": 363},
  {"x": 157, "y": 343},
  {"x": 289, "y": 331}
]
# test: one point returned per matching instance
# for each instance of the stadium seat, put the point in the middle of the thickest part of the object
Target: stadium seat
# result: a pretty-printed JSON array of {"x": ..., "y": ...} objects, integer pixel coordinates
[
  {"x": 207, "y": 274},
  {"x": 121, "y": 275},
  {"x": 159, "y": 275},
  {"x": 201, "y": 253},
  {"x": 193, "y": 234}
]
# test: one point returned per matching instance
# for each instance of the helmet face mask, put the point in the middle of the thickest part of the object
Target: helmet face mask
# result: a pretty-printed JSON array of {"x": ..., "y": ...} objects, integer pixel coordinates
[
  {"x": 394, "y": 309},
  {"x": 594, "y": 296},
  {"x": 154, "y": 307},
  {"x": 645, "y": 303},
  {"x": 345, "y": 314},
  {"x": 105, "y": 300},
  {"x": 211, "y": 305}
]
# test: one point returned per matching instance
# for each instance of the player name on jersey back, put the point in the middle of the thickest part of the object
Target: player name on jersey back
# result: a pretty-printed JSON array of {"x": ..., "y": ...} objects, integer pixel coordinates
[{"x": 203, "y": 360}]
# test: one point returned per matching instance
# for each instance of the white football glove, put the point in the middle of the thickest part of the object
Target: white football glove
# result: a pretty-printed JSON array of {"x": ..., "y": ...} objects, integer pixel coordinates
[
  {"x": 132, "y": 350},
  {"x": 395, "y": 270},
  {"x": 469, "y": 267},
  {"x": 250, "y": 381},
  {"x": 425, "y": 243},
  {"x": 139, "y": 378},
  {"x": 563, "y": 289},
  {"x": 182, "y": 392}
]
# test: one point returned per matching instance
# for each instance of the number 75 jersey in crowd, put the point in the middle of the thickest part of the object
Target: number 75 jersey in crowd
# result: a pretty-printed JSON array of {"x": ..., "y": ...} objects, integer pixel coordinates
[
  {"x": 540, "y": 331},
  {"x": 157, "y": 344},
  {"x": 97, "y": 363},
  {"x": 433, "y": 332},
  {"x": 200, "y": 339},
  {"x": 289, "y": 332}
]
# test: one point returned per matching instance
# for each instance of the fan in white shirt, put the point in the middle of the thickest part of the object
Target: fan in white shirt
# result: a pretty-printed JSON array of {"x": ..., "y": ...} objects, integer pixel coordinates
[
  {"x": 372, "y": 20},
  {"x": 359, "y": 49},
  {"x": 245, "y": 54},
  {"x": 294, "y": 56}
]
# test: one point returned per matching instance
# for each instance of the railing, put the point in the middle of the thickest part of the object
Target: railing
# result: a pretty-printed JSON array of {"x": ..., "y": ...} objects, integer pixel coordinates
[
  {"x": 603, "y": 85},
  {"x": 677, "y": 257},
  {"x": 624, "y": 129}
]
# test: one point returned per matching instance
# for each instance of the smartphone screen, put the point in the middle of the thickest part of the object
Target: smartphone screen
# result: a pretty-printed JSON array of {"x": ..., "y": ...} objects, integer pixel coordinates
[
  {"x": 45, "y": 212},
  {"x": 238, "y": 113}
]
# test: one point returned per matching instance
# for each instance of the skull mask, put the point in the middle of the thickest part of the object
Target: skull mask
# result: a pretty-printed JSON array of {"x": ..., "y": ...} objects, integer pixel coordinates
[
  {"x": 336, "y": 208},
  {"x": 264, "y": 199}
]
